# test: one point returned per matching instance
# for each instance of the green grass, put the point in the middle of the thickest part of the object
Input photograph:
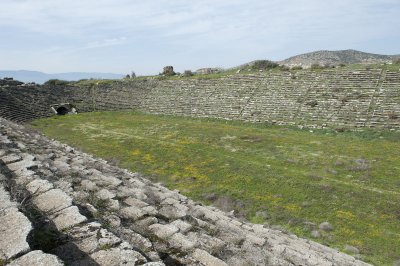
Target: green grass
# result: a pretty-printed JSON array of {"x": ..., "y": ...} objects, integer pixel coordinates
[{"x": 349, "y": 179}]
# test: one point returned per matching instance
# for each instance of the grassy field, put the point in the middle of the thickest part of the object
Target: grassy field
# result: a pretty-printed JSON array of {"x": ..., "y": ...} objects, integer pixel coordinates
[{"x": 277, "y": 175}]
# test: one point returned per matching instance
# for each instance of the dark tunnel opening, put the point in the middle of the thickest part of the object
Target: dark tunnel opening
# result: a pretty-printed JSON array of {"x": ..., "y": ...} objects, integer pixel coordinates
[{"x": 62, "y": 110}]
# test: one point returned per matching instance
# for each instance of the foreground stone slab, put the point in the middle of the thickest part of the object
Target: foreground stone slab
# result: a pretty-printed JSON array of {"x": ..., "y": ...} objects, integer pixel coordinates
[
  {"x": 52, "y": 201},
  {"x": 206, "y": 259},
  {"x": 14, "y": 228},
  {"x": 68, "y": 217},
  {"x": 37, "y": 258},
  {"x": 24, "y": 164},
  {"x": 117, "y": 257}
]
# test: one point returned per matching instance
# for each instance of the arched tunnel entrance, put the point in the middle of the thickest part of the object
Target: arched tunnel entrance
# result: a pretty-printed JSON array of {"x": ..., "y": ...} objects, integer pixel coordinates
[{"x": 62, "y": 110}]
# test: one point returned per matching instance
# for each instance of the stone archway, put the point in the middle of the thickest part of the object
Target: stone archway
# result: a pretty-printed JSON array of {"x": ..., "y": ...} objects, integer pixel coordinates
[{"x": 63, "y": 109}]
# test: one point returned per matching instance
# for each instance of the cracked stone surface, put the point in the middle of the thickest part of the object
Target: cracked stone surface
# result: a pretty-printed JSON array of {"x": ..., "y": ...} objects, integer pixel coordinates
[
  {"x": 68, "y": 217},
  {"x": 52, "y": 201},
  {"x": 39, "y": 186},
  {"x": 14, "y": 228},
  {"x": 37, "y": 258}
]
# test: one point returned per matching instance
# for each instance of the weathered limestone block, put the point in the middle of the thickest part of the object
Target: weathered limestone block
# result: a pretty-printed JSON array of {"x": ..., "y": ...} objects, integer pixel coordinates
[
  {"x": 88, "y": 185},
  {"x": 255, "y": 240},
  {"x": 24, "y": 176},
  {"x": 132, "y": 212},
  {"x": 26, "y": 162},
  {"x": 11, "y": 158},
  {"x": 52, "y": 201},
  {"x": 181, "y": 242},
  {"x": 14, "y": 228},
  {"x": 37, "y": 258},
  {"x": 163, "y": 231},
  {"x": 85, "y": 237},
  {"x": 61, "y": 165},
  {"x": 206, "y": 259},
  {"x": 184, "y": 227},
  {"x": 5, "y": 199},
  {"x": 107, "y": 238},
  {"x": 206, "y": 242},
  {"x": 137, "y": 240},
  {"x": 67, "y": 218},
  {"x": 113, "y": 205},
  {"x": 112, "y": 220},
  {"x": 172, "y": 212},
  {"x": 105, "y": 194},
  {"x": 104, "y": 181},
  {"x": 135, "y": 202},
  {"x": 142, "y": 226},
  {"x": 154, "y": 264},
  {"x": 117, "y": 257},
  {"x": 124, "y": 191},
  {"x": 38, "y": 186},
  {"x": 150, "y": 210}
]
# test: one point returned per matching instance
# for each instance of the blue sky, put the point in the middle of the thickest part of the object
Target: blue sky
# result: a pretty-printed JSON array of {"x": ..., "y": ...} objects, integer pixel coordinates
[{"x": 120, "y": 35}]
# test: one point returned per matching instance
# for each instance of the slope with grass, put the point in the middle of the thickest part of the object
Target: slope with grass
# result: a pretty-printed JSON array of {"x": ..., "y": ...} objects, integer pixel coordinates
[{"x": 268, "y": 174}]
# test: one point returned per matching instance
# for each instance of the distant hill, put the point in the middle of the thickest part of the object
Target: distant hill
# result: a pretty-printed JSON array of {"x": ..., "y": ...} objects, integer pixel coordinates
[
  {"x": 40, "y": 77},
  {"x": 336, "y": 58}
]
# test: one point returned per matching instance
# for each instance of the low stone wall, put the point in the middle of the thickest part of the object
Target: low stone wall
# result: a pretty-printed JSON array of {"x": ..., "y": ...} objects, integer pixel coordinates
[
  {"x": 316, "y": 99},
  {"x": 98, "y": 214}
]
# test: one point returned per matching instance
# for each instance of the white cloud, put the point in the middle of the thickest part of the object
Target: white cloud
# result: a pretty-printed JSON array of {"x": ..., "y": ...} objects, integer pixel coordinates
[
  {"x": 231, "y": 31},
  {"x": 105, "y": 43}
]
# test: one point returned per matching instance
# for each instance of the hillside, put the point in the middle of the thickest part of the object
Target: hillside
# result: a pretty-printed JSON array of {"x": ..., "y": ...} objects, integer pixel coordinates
[
  {"x": 40, "y": 77},
  {"x": 336, "y": 58}
]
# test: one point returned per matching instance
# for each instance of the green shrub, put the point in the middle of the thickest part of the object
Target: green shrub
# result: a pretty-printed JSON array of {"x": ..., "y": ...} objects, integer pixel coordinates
[
  {"x": 316, "y": 66},
  {"x": 396, "y": 61},
  {"x": 188, "y": 73},
  {"x": 312, "y": 103},
  {"x": 56, "y": 82},
  {"x": 284, "y": 68},
  {"x": 392, "y": 115},
  {"x": 297, "y": 68},
  {"x": 264, "y": 64}
]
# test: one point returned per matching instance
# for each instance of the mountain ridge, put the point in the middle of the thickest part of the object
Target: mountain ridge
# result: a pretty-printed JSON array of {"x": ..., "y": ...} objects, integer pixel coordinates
[
  {"x": 41, "y": 77},
  {"x": 334, "y": 58}
]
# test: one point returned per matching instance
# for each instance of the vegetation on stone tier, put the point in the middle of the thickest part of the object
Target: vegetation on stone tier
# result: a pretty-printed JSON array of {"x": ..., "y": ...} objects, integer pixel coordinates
[{"x": 297, "y": 179}]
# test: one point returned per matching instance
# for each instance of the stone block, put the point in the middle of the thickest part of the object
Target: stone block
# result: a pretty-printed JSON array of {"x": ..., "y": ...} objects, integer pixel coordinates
[
  {"x": 14, "y": 230},
  {"x": 52, "y": 201},
  {"x": 131, "y": 213},
  {"x": 163, "y": 231},
  {"x": 37, "y": 258},
  {"x": 38, "y": 186},
  {"x": 207, "y": 259},
  {"x": 67, "y": 218}
]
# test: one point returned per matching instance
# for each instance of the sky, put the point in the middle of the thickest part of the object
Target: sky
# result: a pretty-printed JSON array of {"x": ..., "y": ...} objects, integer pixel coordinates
[{"x": 120, "y": 36}]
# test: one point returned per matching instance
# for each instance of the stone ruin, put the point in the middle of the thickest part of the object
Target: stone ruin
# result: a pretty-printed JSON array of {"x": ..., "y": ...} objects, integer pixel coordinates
[
  {"x": 330, "y": 98},
  {"x": 60, "y": 206},
  {"x": 168, "y": 71},
  {"x": 63, "y": 108}
]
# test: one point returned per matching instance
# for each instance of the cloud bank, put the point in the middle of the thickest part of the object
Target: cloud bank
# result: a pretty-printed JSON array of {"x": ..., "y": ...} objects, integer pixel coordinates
[{"x": 122, "y": 35}]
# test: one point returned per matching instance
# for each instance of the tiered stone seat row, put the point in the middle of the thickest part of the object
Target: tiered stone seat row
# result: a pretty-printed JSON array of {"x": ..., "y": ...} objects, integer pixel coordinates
[{"x": 328, "y": 98}]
